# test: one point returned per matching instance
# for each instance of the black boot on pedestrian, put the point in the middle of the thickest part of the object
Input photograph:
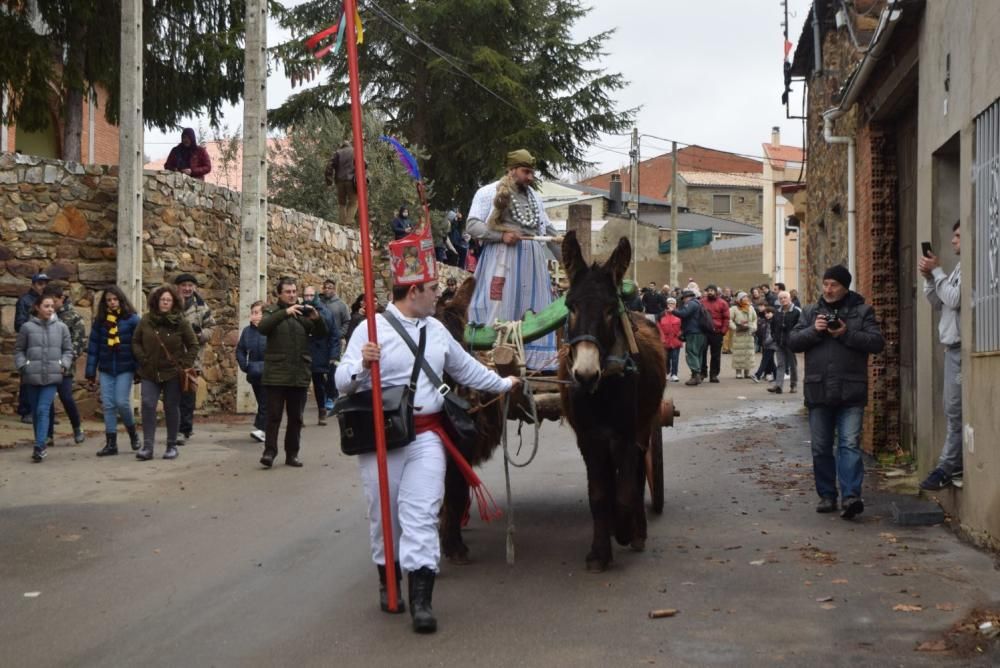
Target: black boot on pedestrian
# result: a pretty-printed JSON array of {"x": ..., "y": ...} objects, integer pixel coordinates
[
  {"x": 145, "y": 453},
  {"x": 267, "y": 460},
  {"x": 826, "y": 505},
  {"x": 851, "y": 507},
  {"x": 171, "y": 452},
  {"x": 383, "y": 593},
  {"x": 421, "y": 591},
  {"x": 110, "y": 447},
  {"x": 713, "y": 379},
  {"x": 133, "y": 437}
]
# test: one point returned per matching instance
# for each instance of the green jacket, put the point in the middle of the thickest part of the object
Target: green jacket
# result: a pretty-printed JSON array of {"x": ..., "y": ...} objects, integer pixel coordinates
[
  {"x": 77, "y": 331},
  {"x": 287, "y": 360},
  {"x": 178, "y": 338}
]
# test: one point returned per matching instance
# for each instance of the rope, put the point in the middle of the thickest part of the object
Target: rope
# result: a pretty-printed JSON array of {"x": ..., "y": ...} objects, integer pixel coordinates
[{"x": 510, "y": 501}]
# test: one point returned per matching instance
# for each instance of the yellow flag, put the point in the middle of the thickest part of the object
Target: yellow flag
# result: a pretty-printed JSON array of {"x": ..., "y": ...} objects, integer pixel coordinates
[{"x": 358, "y": 28}]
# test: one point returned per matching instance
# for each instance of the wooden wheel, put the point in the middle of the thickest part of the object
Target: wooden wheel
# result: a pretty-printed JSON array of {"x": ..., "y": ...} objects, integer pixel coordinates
[{"x": 654, "y": 469}]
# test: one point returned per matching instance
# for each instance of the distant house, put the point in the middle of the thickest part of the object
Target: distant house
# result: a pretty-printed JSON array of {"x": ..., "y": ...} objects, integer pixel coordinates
[
  {"x": 784, "y": 210},
  {"x": 655, "y": 173},
  {"x": 736, "y": 197},
  {"x": 98, "y": 143}
]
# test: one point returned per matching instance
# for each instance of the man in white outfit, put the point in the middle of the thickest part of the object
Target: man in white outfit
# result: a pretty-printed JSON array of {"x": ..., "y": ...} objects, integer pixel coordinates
[{"x": 416, "y": 471}]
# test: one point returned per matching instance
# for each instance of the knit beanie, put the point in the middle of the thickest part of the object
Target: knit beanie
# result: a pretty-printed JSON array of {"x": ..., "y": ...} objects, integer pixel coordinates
[{"x": 840, "y": 274}]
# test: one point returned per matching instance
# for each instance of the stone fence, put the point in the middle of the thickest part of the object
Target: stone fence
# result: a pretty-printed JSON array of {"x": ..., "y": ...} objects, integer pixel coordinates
[{"x": 60, "y": 218}]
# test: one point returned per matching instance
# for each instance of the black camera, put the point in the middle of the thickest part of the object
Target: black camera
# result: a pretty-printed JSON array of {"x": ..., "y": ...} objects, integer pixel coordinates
[
  {"x": 307, "y": 309},
  {"x": 833, "y": 320}
]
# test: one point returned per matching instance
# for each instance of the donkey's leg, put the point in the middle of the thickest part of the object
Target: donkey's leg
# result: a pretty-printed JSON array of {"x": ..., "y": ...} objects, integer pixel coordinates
[
  {"x": 456, "y": 501},
  {"x": 600, "y": 490}
]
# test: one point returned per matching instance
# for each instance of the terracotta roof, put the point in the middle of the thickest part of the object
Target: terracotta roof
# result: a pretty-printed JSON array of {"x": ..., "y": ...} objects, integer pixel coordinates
[
  {"x": 782, "y": 154},
  {"x": 655, "y": 173},
  {"x": 722, "y": 179}
]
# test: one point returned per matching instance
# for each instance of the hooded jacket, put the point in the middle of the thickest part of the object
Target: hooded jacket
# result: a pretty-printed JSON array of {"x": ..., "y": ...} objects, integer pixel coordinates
[
  {"x": 193, "y": 157},
  {"x": 836, "y": 371},
  {"x": 250, "y": 353},
  {"x": 43, "y": 352}
]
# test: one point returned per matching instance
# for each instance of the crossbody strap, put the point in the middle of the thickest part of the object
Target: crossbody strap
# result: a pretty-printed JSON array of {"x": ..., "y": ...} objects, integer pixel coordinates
[
  {"x": 170, "y": 358},
  {"x": 421, "y": 360},
  {"x": 419, "y": 353}
]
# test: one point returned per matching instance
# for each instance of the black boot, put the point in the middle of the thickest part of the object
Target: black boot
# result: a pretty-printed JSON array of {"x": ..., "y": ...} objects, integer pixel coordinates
[
  {"x": 110, "y": 446},
  {"x": 383, "y": 593},
  {"x": 133, "y": 437},
  {"x": 421, "y": 591}
]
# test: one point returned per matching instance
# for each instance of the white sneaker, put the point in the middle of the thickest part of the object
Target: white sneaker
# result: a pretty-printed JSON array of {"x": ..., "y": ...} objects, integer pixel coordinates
[
  {"x": 675, "y": 379},
  {"x": 258, "y": 435}
]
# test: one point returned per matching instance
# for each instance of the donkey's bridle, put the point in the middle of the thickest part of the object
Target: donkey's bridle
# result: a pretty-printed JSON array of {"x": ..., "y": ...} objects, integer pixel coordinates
[{"x": 610, "y": 364}]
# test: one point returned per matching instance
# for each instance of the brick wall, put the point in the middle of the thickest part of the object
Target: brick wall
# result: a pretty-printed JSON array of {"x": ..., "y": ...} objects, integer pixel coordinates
[{"x": 105, "y": 134}]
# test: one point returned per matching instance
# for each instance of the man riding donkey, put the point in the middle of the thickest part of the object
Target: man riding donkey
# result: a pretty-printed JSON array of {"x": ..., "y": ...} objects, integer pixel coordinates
[{"x": 416, "y": 472}]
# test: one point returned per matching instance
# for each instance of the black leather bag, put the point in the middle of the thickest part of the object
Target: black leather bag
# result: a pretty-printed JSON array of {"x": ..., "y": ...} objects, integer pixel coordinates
[
  {"x": 357, "y": 421},
  {"x": 461, "y": 426}
]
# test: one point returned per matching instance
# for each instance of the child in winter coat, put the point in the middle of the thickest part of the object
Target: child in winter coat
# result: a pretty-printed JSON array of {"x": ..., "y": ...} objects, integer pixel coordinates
[
  {"x": 250, "y": 357},
  {"x": 43, "y": 354},
  {"x": 670, "y": 335}
]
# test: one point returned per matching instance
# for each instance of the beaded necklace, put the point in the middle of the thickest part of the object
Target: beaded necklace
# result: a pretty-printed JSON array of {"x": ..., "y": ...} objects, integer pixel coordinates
[{"x": 526, "y": 217}]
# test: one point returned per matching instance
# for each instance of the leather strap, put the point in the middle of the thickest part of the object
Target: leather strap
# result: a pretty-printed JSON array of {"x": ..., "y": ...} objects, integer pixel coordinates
[{"x": 421, "y": 360}]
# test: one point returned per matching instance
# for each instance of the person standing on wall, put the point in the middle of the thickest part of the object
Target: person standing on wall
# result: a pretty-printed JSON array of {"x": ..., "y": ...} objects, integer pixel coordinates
[
  {"x": 944, "y": 292},
  {"x": 189, "y": 158},
  {"x": 199, "y": 315},
  {"x": 109, "y": 353},
  {"x": 287, "y": 325},
  {"x": 340, "y": 174},
  {"x": 43, "y": 353}
]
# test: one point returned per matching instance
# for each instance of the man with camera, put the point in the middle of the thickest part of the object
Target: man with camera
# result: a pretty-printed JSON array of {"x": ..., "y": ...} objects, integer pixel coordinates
[
  {"x": 837, "y": 334},
  {"x": 944, "y": 292},
  {"x": 416, "y": 470},
  {"x": 288, "y": 326}
]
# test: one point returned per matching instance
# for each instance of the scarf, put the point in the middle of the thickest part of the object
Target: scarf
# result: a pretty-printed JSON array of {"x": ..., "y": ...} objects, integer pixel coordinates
[{"x": 111, "y": 324}]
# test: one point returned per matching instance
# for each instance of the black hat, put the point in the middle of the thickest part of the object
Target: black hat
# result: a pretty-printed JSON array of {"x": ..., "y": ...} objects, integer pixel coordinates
[
  {"x": 185, "y": 278},
  {"x": 840, "y": 274},
  {"x": 687, "y": 293}
]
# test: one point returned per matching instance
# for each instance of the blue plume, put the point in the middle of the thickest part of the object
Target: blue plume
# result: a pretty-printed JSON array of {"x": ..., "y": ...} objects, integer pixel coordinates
[{"x": 405, "y": 156}]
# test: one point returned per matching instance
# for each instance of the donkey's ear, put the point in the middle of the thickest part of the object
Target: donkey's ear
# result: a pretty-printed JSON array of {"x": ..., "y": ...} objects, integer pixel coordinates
[
  {"x": 618, "y": 263},
  {"x": 463, "y": 296},
  {"x": 572, "y": 256}
]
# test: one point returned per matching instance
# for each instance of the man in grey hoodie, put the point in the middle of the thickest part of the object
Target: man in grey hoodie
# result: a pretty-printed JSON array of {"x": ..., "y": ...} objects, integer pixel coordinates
[{"x": 944, "y": 292}]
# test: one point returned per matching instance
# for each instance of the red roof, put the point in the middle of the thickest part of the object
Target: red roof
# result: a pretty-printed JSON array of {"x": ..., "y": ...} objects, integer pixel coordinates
[
  {"x": 782, "y": 154},
  {"x": 655, "y": 173}
]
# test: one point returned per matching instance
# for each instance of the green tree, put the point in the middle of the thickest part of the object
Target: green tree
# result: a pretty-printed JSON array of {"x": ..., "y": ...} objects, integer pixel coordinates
[
  {"x": 296, "y": 166},
  {"x": 56, "y": 52},
  {"x": 468, "y": 80}
]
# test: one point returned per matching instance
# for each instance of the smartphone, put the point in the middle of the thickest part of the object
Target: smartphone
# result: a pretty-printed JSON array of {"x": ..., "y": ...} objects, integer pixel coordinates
[{"x": 925, "y": 248}]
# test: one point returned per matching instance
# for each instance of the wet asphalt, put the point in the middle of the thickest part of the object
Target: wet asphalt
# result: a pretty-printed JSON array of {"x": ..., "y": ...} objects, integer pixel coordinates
[{"x": 211, "y": 561}]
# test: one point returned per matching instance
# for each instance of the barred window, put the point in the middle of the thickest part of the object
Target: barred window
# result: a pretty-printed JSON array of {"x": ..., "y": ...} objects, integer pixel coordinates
[
  {"x": 986, "y": 198},
  {"x": 722, "y": 204}
]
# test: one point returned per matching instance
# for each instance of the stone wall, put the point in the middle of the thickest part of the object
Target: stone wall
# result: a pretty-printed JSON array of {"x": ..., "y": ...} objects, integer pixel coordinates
[
  {"x": 60, "y": 218},
  {"x": 745, "y": 209}
]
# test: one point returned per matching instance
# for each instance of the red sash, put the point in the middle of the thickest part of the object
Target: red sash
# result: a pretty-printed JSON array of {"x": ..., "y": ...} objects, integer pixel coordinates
[{"x": 488, "y": 509}]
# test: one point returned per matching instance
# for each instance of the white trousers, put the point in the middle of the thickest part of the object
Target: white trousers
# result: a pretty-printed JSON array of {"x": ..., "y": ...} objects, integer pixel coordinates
[{"x": 416, "y": 491}]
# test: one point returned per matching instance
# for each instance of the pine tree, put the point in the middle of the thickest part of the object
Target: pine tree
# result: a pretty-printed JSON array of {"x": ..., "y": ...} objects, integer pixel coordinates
[
  {"x": 485, "y": 77},
  {"x": 192, "y": 60}
]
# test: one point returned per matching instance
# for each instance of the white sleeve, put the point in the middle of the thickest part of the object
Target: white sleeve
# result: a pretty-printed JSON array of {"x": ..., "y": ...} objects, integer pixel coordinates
[
  {"x": 351, "y": 375},
  {"x": 468, "y": 371}
]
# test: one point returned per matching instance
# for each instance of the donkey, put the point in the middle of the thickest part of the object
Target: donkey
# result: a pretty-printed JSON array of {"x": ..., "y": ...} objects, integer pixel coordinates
[
  {"x": 614, "y": 397},
  {"x": 489, "y": 421}
]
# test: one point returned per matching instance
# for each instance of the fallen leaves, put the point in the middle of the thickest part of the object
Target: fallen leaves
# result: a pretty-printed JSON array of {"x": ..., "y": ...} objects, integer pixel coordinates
[
  {"x": 663, "y": 613},
  {"x": 933, "y": 646},
  {"x": 946, "y": 607},
  {"x": 906, "y": 607}
]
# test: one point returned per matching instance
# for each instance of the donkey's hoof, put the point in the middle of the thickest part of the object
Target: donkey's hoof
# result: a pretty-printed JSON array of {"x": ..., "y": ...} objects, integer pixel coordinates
[
  {"x": 596, "y": 564},
  {"x": 459, "y": 559},
  {"x": 638, "y": 545}
]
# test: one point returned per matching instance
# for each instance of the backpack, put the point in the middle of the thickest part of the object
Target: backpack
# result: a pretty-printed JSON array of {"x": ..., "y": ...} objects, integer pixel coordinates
[{"x": 705, "y": 322}]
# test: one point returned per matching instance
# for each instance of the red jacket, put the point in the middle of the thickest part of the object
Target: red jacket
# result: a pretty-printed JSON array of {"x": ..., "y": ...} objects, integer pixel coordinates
[
  {"x": 200, "y": 165},
  {"x": 670, "y": 330},
  {"x": 719, "y": 310}
]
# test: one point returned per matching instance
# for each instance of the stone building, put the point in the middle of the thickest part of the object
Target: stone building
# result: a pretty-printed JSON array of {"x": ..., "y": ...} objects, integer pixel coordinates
[
  {"x": 919, "y": 110},
  {"x": 736, "y": 197}
]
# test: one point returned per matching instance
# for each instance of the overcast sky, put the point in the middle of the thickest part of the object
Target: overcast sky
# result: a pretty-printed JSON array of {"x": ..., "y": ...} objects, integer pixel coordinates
[{"x": 704, "y": 72}]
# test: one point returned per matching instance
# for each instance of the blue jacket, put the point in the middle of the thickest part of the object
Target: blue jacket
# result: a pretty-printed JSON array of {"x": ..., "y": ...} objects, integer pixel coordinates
[
  {"x": 250, "y": 353},
  {"x": 689, "y": 316},
  {"x": 324, "y": 348},
  {"x": 22, "y": 312},
  {"x": 101, "y": 357}
]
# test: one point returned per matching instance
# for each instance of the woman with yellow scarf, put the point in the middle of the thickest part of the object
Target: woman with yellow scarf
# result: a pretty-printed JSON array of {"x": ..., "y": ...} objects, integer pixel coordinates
[{"x": 743, "y": 324}]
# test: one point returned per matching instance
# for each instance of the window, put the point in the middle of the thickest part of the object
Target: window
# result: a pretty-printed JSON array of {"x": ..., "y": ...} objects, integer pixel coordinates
[
  {"x": 722, "y": 204},
  {"x": 986, "y": 200},
  {"x": 760, "y": 205}
]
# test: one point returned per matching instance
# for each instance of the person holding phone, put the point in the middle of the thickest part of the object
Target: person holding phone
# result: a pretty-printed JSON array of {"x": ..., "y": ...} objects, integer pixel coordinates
[{"x": 944, "y": 292}]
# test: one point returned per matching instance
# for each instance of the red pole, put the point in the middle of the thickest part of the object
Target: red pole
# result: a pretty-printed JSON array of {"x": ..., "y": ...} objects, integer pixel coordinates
[{"x": 350, "y": 7}]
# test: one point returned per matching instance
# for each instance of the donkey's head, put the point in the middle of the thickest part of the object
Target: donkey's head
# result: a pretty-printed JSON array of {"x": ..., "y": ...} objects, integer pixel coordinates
[
  {"x": 453, "y": 313},
  {"x": 593, "y": 306}
]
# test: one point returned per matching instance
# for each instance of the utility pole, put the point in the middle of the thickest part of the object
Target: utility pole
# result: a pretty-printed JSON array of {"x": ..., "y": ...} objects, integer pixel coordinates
[
  {"x": 674, "y": 250},
  {"x": 253, "y": 200},
  {"x": 130, "y": 142},
  {"x": 634, "y": 212}
]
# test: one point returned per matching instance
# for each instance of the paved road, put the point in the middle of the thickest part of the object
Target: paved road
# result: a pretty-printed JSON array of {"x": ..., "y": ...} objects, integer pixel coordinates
[{"x": 210, "y": 561}]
